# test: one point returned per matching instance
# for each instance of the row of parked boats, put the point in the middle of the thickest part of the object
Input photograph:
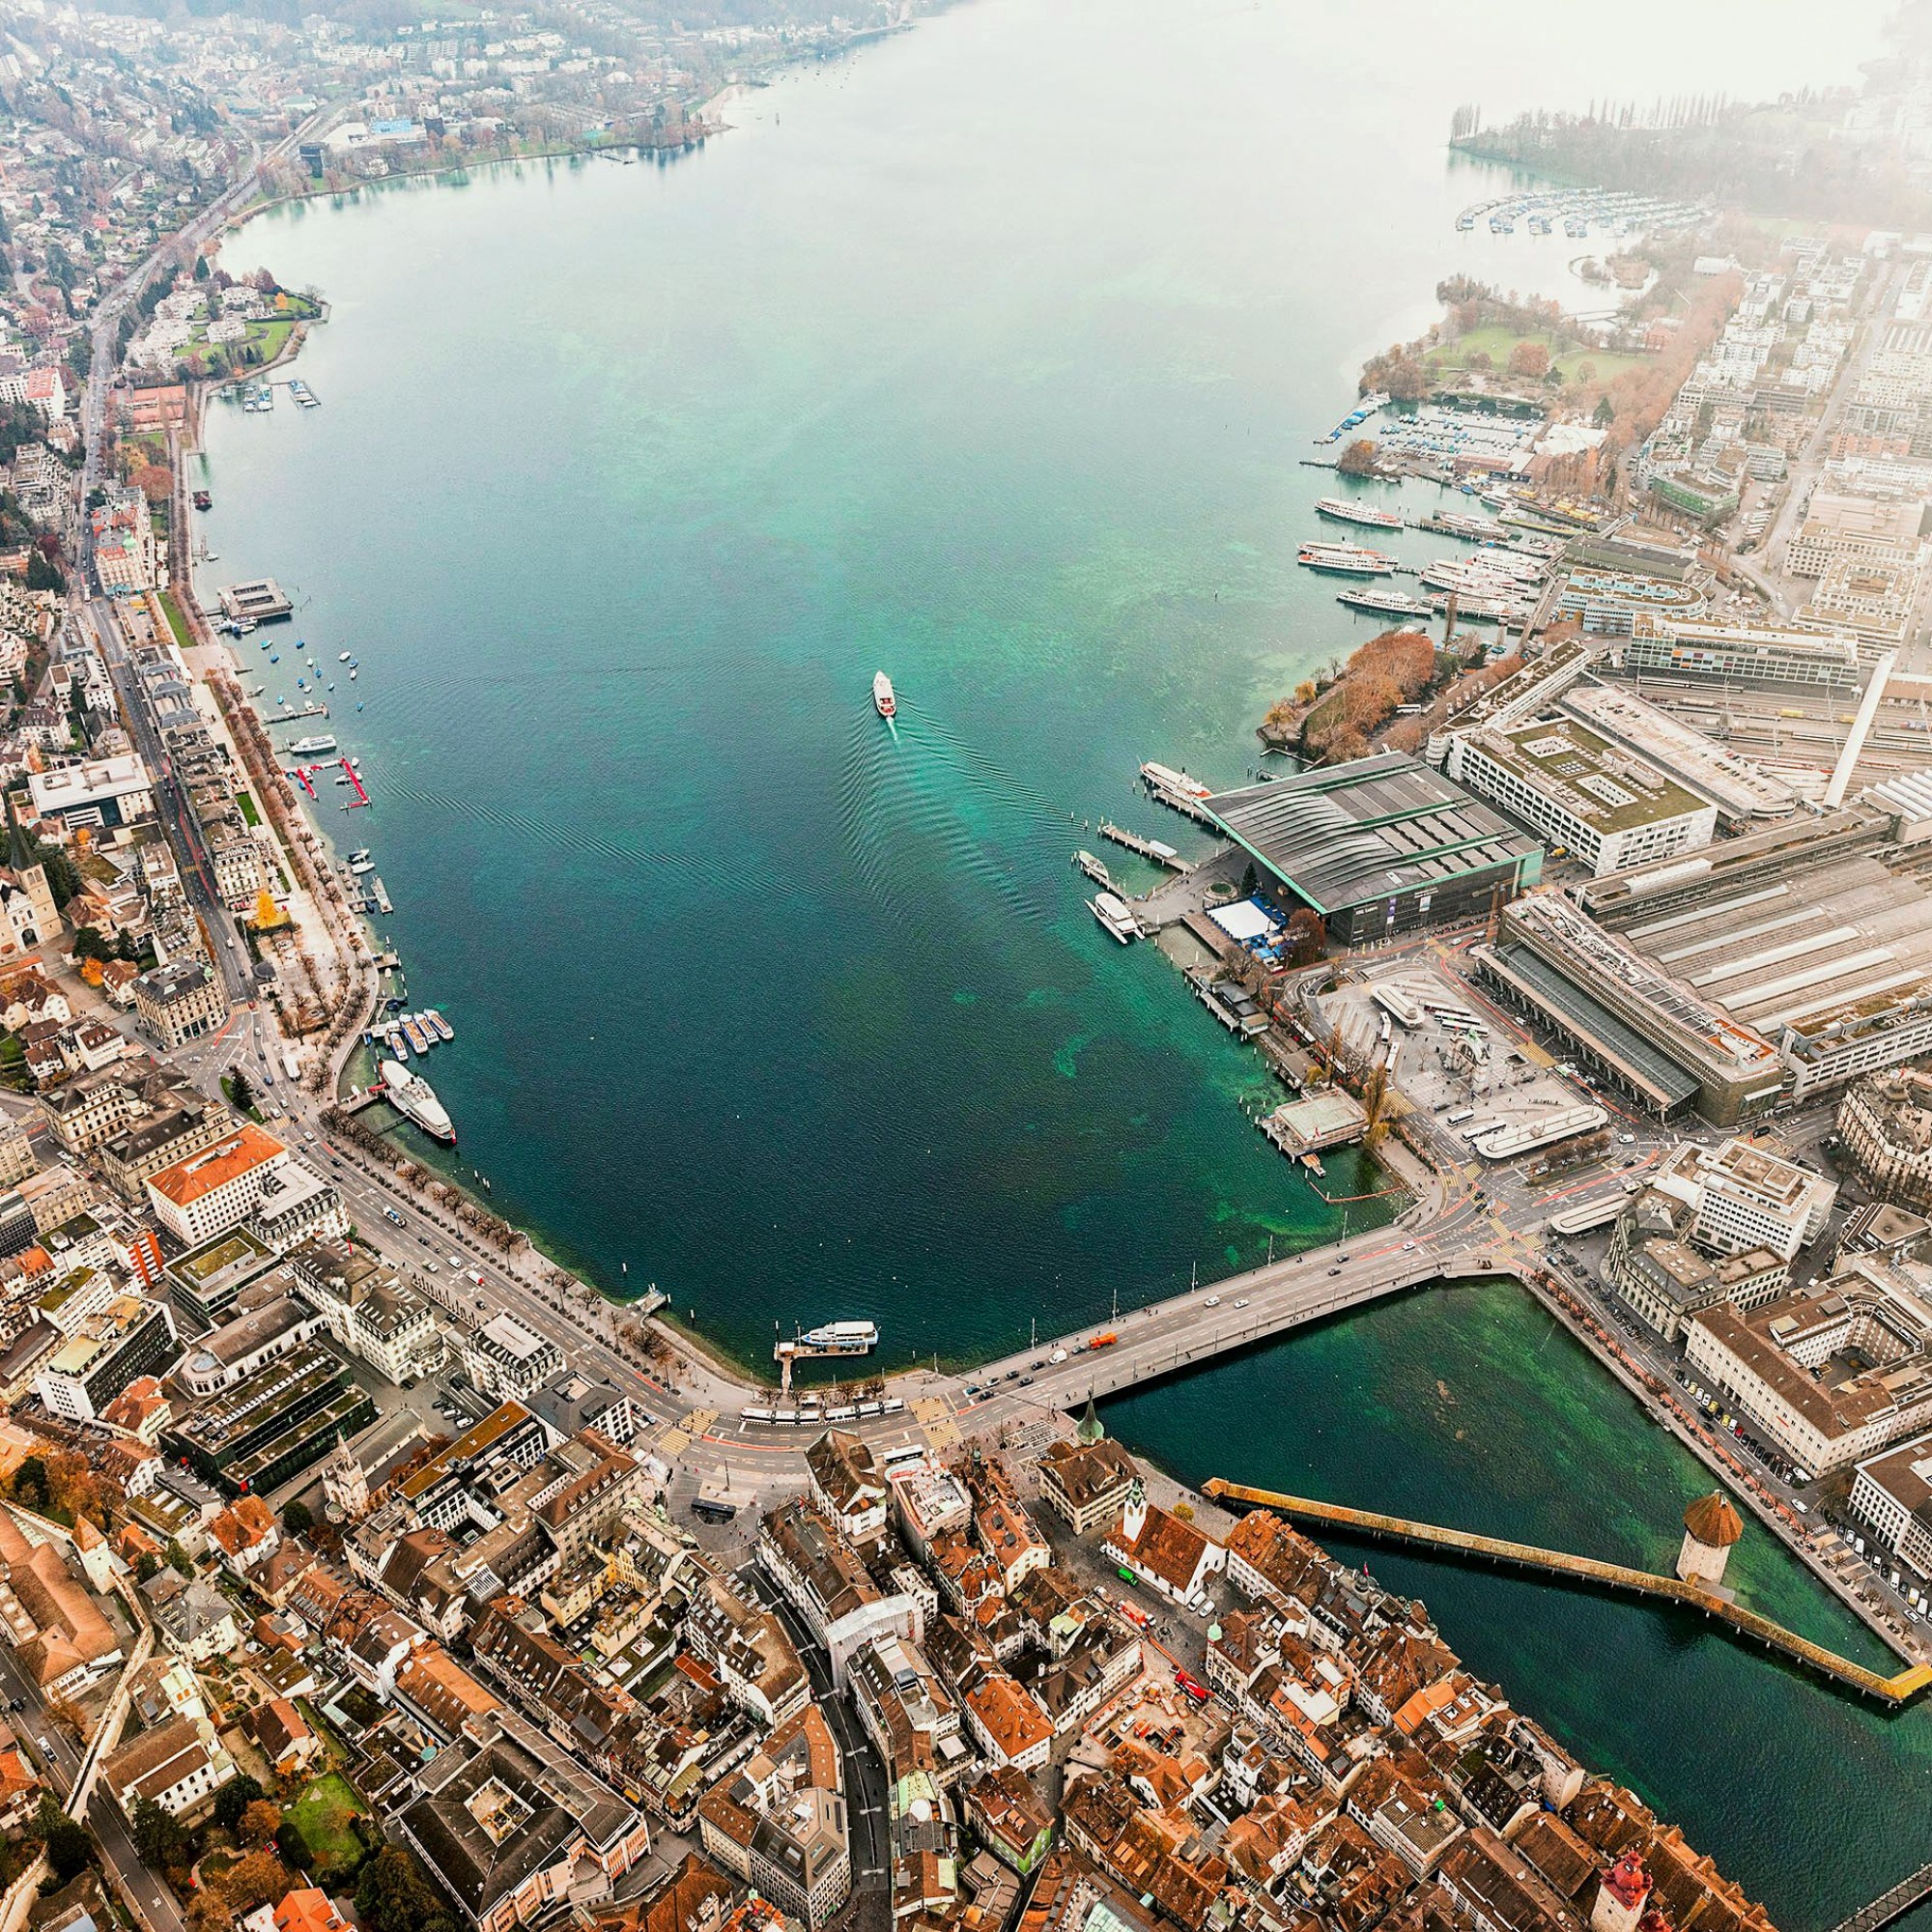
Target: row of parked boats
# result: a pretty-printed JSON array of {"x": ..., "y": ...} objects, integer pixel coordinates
[
  {"x": 1496, "y": 585},
  {"x": 1612, "y": 212},
  {"x": 411, "y": 1032}
]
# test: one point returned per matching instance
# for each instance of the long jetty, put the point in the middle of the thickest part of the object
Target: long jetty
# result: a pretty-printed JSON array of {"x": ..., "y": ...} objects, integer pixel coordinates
[
  {"x": 1899, "y": 1688},
  {"x": 1148, "y": 848}
]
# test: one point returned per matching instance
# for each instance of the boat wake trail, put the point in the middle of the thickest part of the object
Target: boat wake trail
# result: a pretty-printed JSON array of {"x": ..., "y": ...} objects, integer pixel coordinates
[{"x": 922, "y": 804}]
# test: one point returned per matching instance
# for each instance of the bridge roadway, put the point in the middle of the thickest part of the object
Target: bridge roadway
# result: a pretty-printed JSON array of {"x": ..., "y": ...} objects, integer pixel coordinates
[
  {"x": 1447, "y": 1236},
  {"x": 1172, "y": 1336},
  {"x": 1899, "y": 1688}
]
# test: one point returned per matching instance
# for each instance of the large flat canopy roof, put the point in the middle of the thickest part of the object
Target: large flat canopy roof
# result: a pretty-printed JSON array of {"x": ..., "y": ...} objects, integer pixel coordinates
[{"x": 1367, "y": 830}]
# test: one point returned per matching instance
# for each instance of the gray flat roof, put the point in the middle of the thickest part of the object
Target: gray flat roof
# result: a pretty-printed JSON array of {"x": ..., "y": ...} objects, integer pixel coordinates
[{"x": 1367, "y": 830}]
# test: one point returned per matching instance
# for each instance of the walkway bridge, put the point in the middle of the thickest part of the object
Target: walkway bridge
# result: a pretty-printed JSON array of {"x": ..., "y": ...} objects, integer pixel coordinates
[
  {"x": 1890, "y": 1905},
  {"x": 1897, "y": 1689}
]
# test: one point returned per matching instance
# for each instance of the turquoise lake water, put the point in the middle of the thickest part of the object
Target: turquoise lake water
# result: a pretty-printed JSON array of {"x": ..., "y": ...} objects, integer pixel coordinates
[{"x": 989, "y": 358}]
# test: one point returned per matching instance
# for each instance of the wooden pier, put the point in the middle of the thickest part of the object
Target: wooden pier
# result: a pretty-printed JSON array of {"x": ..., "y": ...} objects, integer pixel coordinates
[
  {"x": 1902, "y": 1687},
  {"x": 1148, "y": 848}
]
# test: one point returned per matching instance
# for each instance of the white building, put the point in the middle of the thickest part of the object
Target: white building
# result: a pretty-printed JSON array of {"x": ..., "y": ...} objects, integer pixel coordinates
[
  {"x": 217, "y": 1188},
  {"x": 1828, "y": 1377},
  {"x": 173, "y": 1765},
  {"x": 369, "y": 1310},
  {"x": 826, "y": 1583},
  {"x": 1583, "y": 792},
  {"x": 101, "y": 792},
  {"x": 1892, "y": 1492},
  {"x": 128, "y": 1339},
  {"x": 1742, "y": 1196},
  {"x": 507, "y": 1360},
  {"x": 298, "y": 1204}
]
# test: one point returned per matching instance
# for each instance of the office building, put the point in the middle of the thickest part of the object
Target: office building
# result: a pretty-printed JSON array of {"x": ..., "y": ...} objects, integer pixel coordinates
[
  {"x": 218, "y": 1188},
  {"x": 286, "y": 1416},
  {"x": 509, "y": 1361},
  {"x": 1744, "y": 1196},
  {"x": 1829, "y": 1375},
  {"x": 128, "y": 1338},
  {"x": 1583, "y": 792},
  {"x": 1891, "y": 1493},
  {"x": 179, "y": 1002},
  {"x": 369, "y": 1310}
]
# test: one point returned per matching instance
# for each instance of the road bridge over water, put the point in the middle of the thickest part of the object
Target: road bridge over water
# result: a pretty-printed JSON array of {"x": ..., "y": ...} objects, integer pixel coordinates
[{"x": 1446, "y": 1239}]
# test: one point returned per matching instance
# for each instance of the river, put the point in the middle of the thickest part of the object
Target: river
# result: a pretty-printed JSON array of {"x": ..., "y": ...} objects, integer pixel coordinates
[{"x": 986, "y": 356}]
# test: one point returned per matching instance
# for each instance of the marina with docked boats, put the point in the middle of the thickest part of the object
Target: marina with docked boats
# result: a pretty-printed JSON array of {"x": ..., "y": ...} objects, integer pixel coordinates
[{"x": 393, "y": 1035}]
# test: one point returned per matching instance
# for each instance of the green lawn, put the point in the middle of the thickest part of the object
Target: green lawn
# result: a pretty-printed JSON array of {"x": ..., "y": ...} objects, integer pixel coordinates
[
  {"x": 249, "y": 810},
  {"x": 177, "y": 623},
  {"x": 1498, "y": 342},
  {"x": 322, "y": 1814},
  {"x": 269, "y": 337}
]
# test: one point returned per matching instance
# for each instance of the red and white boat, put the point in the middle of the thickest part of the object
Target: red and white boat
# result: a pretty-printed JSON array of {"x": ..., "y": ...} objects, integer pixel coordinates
[{"x": 882, "y": 694}]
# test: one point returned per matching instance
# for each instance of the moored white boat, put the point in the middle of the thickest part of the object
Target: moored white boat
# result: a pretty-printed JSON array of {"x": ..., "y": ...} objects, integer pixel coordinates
[
  {"x": 1115, "y": 916},
  {"x": 414, "y": 1099}
]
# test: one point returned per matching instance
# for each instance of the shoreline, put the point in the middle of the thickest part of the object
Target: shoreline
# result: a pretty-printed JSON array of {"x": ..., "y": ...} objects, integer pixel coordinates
[
  {"x": 700, "y": 118},
  {"x": 701, "y": 1357}
]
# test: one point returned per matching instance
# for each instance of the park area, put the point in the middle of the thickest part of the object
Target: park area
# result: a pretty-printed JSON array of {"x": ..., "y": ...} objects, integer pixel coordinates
[
  {"x": 1533, "y": 353},
  {"x": 324, "y": 1815}
]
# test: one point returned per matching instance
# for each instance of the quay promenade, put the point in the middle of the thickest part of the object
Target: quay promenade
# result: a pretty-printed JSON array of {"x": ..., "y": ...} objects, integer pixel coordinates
[{"x": 1900, "y": 1688}]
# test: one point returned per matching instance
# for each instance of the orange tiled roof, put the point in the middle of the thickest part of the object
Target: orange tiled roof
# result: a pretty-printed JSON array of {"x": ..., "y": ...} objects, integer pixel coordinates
[{"x": 201, "y": 1174}]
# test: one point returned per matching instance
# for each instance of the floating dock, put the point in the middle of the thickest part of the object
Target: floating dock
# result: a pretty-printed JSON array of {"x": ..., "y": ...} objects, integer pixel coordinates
[
  {"x": 1356, "y": 418},
  {"x": 1230, "y": 1002},
  {"x": 378, "y": 894},
  {"x": 1326, "y": 1118},
  {"x": 260, "y": 599},
  {"x": 1176, "y": 792}
]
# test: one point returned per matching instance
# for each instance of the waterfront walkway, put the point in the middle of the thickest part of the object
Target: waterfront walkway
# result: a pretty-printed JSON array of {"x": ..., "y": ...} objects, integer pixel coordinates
[{"x": 1899, "y": 1688}]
